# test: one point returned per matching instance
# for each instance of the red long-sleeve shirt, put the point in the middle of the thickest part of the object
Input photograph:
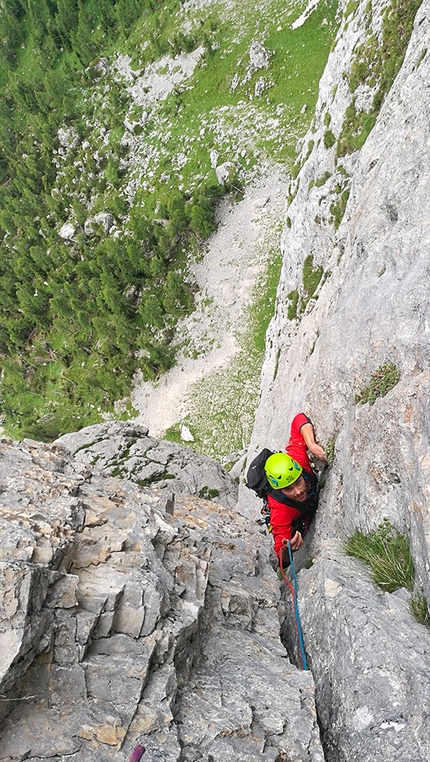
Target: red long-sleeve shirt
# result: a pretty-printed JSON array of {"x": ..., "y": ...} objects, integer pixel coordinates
[{"x": 283, "y": 515}]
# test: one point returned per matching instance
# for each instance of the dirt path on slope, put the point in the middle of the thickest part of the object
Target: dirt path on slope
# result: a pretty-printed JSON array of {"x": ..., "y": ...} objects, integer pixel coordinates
[{"x": 235, "y": 258}]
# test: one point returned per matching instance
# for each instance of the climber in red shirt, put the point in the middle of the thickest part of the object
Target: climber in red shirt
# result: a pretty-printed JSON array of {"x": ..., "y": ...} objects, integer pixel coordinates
[{"x": 292, "y": 496}]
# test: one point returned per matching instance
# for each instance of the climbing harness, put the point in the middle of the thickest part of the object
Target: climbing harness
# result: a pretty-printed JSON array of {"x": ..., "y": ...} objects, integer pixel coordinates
[
  {"x": 294, "y": 593},
  {"x": 137, "y": 754}
]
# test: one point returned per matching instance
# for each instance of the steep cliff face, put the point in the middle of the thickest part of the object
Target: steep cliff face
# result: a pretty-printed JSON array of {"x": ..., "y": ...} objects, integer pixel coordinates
[{"x": 370, "y": 310}]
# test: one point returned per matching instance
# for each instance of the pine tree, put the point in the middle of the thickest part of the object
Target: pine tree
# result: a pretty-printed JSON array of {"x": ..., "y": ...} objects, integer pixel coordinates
[{"x": 66, "y": 21}]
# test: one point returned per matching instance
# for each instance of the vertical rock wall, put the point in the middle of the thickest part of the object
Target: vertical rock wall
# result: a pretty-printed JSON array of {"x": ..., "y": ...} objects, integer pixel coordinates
[{"x": 368, "y": 655}]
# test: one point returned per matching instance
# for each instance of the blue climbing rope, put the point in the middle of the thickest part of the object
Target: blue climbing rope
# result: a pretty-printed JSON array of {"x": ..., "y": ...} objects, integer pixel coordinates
[
  {"x": 296, "y": 609},
  {"x": 294, "y": 595}
]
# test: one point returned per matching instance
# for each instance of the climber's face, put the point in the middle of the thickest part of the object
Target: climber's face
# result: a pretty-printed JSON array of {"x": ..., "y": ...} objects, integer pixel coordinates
[{"x": 297, "y": 490}]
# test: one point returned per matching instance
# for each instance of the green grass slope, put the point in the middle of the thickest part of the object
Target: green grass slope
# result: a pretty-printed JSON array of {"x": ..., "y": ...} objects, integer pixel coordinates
[{"x": 83, "y": 131}]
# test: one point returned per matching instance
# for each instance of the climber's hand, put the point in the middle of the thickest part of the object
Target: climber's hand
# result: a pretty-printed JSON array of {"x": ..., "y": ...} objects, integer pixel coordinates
[
  {"x": 317, "y": 450},
  {"x": 296, "y": 542}
]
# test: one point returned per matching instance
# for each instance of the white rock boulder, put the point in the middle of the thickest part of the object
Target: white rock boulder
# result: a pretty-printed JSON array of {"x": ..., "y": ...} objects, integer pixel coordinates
[
  {"x": 102, "y": 220},
  {"x": 259, "y": 57},
  {"x": 67, "y": 231},
  {"x": 68, "y": 137},
  {"x": 226, "y": 172}
]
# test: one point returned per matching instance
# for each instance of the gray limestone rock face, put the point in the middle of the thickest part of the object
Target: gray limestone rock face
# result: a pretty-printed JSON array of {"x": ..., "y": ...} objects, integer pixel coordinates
[
  {"x": 368, "y": 655},
  {"x": 68, "y": 231},
  {"x": 138, "y": 624},
  {"x": 124, "y": 449},
  {"x": 375, "y": 694}
]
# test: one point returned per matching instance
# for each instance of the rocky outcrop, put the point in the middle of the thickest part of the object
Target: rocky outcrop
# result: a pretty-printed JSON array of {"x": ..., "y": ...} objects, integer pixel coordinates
[
  {"x": 368, "y": 655},
  {"x": 159, "y": 78},
  {"x": 131, "y": 615},
  {"x": 125, "y": 449},
  {"x": 259, "y": 56},
  {"x": 370, "y": 659}
]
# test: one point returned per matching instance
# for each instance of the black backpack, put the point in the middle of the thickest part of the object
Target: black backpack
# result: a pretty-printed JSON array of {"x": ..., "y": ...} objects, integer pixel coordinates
[{"x": 256, "y": 478}]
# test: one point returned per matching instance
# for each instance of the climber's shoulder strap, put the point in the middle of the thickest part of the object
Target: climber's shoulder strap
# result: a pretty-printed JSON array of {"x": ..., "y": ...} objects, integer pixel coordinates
[{"x": 256, "y": 478}]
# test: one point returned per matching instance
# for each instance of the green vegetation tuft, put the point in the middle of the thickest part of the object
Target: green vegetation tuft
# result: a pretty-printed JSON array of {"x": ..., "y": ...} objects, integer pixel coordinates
[
  {"x": 153, "y": 479},
  {"x": 329, "y": 139},
  {"x": 173, "y": 433},
  {"x": 420, "y": 609},
  {"x": 311, "y": 277},
  {"x": 295, "y": 169},
  {"x": 337, "y": 208},
  {"x": 207, "y": 493},
  {"x": 329, "y": 450},
  {"x": 276, "y": 368},
  {"x": 310, "y": 148},
  {"x": 311, "y": 280},
  {"x": 341, "y": 169},
  {"x": 293, "y": 298},
  {"x": 381, "y": 382},
  {"x": 388, "y": 554},
  {"x": 323, "y": 179},
  {"x": 350, "y": 7},
  {"x": 355, "y": 130}
]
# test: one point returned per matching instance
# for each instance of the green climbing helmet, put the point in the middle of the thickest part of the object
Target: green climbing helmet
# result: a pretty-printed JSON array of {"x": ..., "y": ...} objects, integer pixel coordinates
[{"x": 281, "y": 470}]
